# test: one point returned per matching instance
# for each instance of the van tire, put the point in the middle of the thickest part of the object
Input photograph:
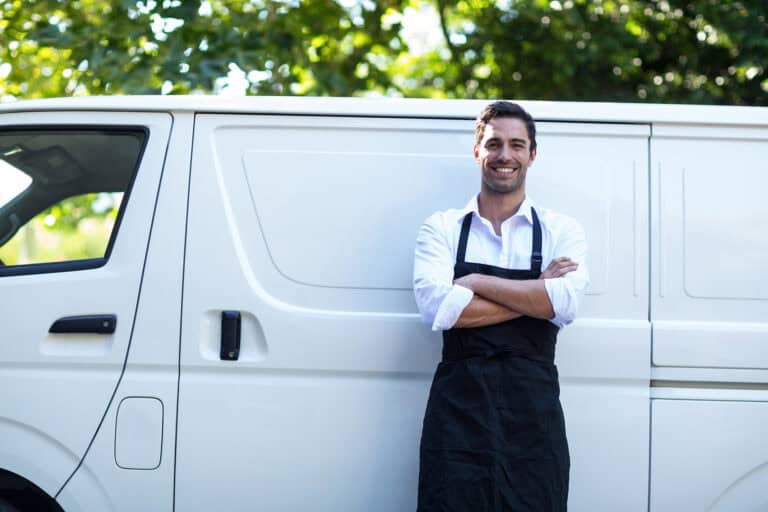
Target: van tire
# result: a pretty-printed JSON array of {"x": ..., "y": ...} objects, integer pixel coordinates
[
  {"x": 5, "y": 506},
  {"x": 17, "y": 494},
  {"x": 28, "y": 502}
]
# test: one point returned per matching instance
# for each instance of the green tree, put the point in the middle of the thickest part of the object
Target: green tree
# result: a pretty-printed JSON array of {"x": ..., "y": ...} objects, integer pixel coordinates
[
  {"x": 97, "y": 47},
  {"x": 692, "y": 51},
  {"x": 686, "y": 51}
]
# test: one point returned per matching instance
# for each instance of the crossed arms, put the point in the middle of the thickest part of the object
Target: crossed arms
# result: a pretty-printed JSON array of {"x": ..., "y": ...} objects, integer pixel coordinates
[
  {"x": 497, "y": 300},
  {"x": 478, "y": 300}
]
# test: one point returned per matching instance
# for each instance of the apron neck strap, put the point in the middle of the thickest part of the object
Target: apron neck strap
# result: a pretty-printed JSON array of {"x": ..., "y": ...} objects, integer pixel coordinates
[
  {"x": 462, "y": 251},
  {"x": 536, "y": 258}
]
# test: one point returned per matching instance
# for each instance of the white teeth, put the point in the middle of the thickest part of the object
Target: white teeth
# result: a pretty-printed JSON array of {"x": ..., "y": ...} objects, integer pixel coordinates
[{"x": 505, "y": 169}]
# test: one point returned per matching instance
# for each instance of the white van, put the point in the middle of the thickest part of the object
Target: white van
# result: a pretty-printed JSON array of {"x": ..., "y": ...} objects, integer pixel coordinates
[{"x": 207, "y": 303}]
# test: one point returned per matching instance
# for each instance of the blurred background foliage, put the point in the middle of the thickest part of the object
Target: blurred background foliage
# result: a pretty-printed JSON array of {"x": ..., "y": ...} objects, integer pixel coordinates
[
  {"x": 75, "y": 228},
  {"x": 680, "y": 51}
]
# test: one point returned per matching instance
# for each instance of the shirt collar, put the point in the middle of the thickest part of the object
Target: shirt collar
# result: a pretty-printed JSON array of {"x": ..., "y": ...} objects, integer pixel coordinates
[{"x": 523, "y": 211}]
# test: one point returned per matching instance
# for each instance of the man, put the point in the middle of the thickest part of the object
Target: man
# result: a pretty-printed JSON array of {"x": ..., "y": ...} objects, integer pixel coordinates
[{"x": 494, "y": 433}]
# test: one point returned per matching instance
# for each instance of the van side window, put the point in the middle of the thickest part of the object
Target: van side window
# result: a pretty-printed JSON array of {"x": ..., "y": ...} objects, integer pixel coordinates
[{"x": 62, "y": 195}]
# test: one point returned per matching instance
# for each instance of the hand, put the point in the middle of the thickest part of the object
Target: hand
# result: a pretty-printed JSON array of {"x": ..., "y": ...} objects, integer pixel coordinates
[
  {"x": 558, "y": 267},
  {"x": 467, "y": 281}
]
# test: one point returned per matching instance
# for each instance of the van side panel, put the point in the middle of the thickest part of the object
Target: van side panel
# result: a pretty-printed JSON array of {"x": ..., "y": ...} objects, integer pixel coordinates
[
  {"x": 55, "y": 388},
  {"x": 151, "y": 374},
  {"x": 709, "y": 309},
  {"x": 715, "y": 448},
  {"x": 306, "y": 226},
  {"x": 711, "y": 301}
]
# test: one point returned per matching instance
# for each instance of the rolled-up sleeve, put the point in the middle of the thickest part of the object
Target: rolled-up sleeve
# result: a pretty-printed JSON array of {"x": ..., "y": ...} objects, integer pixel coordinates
[
  {"x": 565, "y": 293},
  {"x": 440, "y": 302}
]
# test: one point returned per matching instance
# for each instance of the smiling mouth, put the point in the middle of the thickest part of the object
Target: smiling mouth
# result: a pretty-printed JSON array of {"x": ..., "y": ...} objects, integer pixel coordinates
[{"x": 505, "y": 170}]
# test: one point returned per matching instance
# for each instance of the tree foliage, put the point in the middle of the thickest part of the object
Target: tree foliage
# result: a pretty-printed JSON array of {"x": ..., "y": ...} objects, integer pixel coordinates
[
  {"x": 686, "y": 51},
  {"x": 683, "y": 51},
  {"x": 98, "y": 46}
]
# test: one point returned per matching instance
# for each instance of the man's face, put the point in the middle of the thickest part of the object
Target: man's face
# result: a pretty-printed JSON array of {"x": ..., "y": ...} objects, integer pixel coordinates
[{"x": 504, "y": 155}]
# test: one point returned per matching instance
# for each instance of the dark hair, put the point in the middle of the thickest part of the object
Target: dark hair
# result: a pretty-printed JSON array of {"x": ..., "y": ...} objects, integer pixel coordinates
[{"x": 505, "y": 109}]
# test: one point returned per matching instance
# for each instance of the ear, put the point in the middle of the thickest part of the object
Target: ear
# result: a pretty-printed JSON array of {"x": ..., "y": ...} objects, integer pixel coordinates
[
  {"x": 476, "y": 152},
  {"x": 533, "y": 156}
]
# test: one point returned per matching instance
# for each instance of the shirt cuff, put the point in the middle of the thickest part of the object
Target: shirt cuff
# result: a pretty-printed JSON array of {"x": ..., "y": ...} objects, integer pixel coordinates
[
  {"x": 559, "y": 295},
  {"x": 451, "y": 307}
]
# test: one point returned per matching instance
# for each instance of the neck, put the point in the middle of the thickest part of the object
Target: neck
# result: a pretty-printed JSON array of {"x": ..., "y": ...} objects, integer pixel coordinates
[{"x": 499, "y": 207}]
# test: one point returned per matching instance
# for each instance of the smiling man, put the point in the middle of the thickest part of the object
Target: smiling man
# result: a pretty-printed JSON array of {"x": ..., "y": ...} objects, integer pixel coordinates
[{"x": 494, "y": 432}]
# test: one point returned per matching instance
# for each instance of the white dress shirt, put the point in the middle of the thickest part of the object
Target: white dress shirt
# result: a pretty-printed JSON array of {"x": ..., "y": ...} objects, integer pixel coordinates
[{"x": 441, "y": 302}]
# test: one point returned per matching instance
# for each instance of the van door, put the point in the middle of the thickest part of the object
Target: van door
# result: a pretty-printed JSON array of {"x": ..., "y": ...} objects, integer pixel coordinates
[
  {"x": 77, "y": 193},
  {"x": 300, "y": 244},
  {"x": 710, "y": 318}
]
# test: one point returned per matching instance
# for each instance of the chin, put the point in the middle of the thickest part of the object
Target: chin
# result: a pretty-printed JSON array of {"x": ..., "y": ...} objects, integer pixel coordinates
[{"x": 503, "y": 188}]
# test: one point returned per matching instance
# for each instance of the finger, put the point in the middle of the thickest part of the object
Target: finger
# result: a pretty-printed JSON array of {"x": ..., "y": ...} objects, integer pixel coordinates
[{"x": 565, "y": 271}]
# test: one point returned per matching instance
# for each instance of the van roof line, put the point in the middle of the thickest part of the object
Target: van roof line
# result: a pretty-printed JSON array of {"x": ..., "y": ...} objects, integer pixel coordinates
[{"x": 402, "y": 107}]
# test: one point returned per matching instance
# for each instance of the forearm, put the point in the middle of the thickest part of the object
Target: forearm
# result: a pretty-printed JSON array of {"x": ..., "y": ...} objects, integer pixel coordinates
[
  {"x": 481, "y": 312},
  {"x": 528, "y": 297}
]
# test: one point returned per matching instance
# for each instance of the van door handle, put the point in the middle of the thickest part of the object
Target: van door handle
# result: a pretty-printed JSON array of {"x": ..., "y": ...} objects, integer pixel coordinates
[
  {"x": 230, "y": 336},
  {"x": 92, "y": 324}
]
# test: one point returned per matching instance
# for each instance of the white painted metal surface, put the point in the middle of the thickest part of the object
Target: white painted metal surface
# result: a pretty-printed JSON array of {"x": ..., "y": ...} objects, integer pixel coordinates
[
  {"x": 55, "y": 387},
  {"x": 710, "y": 281},
  {"x": 401, "y": 107},
  {"x": 709, "y": 455},
  {"x": 152, "y": 362},
  {"x": 307, "y": 226},
  {"x": 139, "y": 433},
  {"x": 709, "y": 308}
]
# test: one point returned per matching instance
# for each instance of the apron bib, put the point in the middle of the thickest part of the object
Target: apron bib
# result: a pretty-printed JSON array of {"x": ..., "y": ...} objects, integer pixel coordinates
[{"x": 493, "y": 437}]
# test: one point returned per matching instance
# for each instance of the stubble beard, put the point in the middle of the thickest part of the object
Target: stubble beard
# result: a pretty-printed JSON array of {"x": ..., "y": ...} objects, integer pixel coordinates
[{"x": 494, "y": 187}]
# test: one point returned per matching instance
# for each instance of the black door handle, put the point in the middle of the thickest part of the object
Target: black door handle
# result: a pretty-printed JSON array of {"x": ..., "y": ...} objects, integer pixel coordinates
[
  {"x": 230, "y": 336},
  {"x": 96, "y": 324}
]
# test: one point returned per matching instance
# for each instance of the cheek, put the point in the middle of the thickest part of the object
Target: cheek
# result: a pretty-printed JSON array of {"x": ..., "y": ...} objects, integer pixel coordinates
[{"x": 488, "y": 156}]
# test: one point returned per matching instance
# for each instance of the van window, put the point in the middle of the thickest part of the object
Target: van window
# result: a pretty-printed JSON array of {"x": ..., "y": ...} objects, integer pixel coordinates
[{"x": 62, "y": 193}]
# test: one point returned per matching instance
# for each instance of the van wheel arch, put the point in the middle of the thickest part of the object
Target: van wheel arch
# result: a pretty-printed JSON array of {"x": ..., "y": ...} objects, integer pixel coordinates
[{"x": 17, "y": 494}]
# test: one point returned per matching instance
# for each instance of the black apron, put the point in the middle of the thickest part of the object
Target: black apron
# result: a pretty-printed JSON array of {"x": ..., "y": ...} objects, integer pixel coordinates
[{"x": 494, "y": 434}]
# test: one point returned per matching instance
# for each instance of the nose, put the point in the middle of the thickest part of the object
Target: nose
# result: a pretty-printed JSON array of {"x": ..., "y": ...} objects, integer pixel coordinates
[{"x": 506, "y": 152}]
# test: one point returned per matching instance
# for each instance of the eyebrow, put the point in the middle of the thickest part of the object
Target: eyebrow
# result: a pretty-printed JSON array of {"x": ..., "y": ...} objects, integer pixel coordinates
[{"x": 524, "y": 141}]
